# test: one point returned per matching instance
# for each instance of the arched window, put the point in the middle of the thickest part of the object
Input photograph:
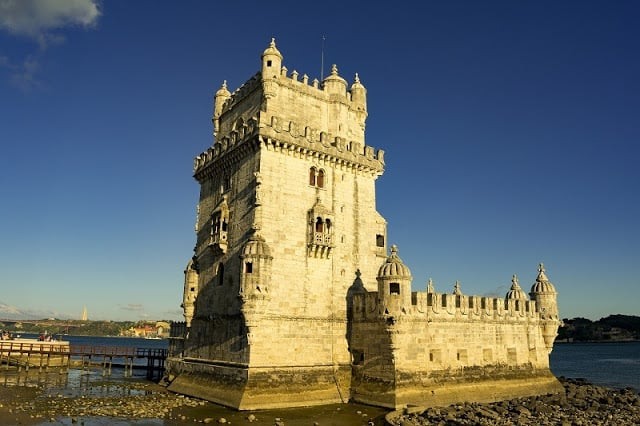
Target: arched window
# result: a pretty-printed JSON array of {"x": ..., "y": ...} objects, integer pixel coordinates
[
  {"x": 328, "y": 223},
  {"x": 312, "y": 176},
  {"x": 319, "y": 225},
  {"x": 320, "y": 180}
]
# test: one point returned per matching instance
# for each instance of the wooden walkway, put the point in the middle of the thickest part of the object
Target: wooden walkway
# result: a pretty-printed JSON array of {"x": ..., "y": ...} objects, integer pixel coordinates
[{"x": 61, "y": 355}]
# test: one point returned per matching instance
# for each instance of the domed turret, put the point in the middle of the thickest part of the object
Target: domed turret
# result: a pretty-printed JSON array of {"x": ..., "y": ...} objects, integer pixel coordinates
[
  {"x": 546, "y": 298},
  {"x": 271, "y": 61},
  {"x": 218, "y": 103},
  {"x": 394, "y": 285},
  {"x": 516, "y": 292},
  {"x": 256, "y": 267},
  {"x": 394, "y": 267},
  {"x": 334, "y": 84},
  {"x": 190, "y": 292},
  {"x": 359, "y": 93},
  {"x": 542, "y": 284},
  {"x": 256, "y": 247}
]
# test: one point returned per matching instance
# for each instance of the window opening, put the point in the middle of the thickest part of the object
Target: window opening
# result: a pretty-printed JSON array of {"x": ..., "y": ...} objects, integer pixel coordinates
[
  {"x": 312, "y": 176},
  {"x": 394, "y": 288},
  {"x": 320, "y": 180},
  {"x": 319, "y": 225},
  {"x": 248, "y": 268},
  {"x": 379, "y": 240},
  {"x": 358, "y": 357},
  {"x": 268, "y": 63}
]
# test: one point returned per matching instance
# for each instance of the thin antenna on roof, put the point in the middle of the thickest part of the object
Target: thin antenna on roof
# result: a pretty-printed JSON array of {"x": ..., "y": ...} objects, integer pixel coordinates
[{"x": 322, "y": 59}]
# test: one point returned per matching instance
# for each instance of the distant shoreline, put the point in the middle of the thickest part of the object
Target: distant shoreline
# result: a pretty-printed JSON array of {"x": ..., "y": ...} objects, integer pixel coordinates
[{"x": 571, "y": 342}]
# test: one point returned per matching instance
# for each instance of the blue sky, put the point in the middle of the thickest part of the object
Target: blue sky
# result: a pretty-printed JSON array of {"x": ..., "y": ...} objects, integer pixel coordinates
[{"x": 511, "y": 132}]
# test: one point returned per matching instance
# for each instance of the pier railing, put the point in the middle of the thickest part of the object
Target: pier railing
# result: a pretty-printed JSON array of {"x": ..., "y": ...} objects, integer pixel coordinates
[{"x": 43, "y": 355}]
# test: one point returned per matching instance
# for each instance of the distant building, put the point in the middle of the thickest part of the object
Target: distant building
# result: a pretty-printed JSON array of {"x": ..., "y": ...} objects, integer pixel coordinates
[
  {"x": 85, "y": 316},
  {"x": 291, "y": 297}
]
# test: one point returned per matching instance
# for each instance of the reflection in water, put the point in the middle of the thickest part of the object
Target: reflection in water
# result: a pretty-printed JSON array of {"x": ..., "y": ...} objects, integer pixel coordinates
[
  {"x": 74, "y": 383},
  {"x": 33, "y": 379},
  {"x": 72, "y": 397}
]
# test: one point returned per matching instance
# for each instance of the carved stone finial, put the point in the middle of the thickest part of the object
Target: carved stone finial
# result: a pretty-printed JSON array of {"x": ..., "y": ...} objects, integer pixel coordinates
[
  {"x": 456, "y": 288},
  {"x": 224, "y": 84},
  {"x": 514, "y": 280},
  {"x": 358, "y": 273},
  {"x": 334, "y": 69},
  {"x": 394, "y": 249},
  {"x": 430, "y": 288},
  {"x": 273, "y": 42},
  {"x": 542, "y": 276},
  {"x": 357, "y": 79}
]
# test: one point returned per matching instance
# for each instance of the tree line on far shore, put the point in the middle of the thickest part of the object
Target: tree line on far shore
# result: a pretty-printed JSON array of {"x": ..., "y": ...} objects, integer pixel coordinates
[
  {"x": 612, "y": 328},
  {"x": 75, "y": 327}
]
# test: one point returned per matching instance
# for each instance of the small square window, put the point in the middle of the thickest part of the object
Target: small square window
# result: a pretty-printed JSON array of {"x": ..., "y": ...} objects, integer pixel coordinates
[
  {"x": 379, "y": 240},
  {"x": 394, "y": 288},
  {"x": 248, "y": 268}
]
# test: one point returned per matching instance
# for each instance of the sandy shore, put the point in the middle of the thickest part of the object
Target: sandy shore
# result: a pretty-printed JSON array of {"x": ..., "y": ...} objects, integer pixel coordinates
[{"x": 91, "y": 400}]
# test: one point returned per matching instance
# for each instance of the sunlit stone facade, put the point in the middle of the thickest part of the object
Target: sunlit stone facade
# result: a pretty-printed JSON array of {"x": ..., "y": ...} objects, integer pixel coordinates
[{"x": 291, "y": 298}]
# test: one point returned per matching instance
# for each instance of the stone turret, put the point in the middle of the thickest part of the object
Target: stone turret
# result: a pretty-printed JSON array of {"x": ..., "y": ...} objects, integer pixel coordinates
[
  {"x": 516, "y": 292},
  {"x": 222, "y": 95},
  {"x": 255, "y": 271},
  {"x": 544, "y": 294},
  {"x": 271, "y": 61},
  {"x": 359, "y": 99},
  {"x": 334, "y": 84},
  {"x": 190, "y": 290},
  {"x": 394, "y": 285}
]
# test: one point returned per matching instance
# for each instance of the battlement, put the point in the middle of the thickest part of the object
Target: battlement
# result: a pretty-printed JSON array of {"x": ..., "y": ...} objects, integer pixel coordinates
[
  {"x": 433, "y": 306},
  {"x": 309, "y": 117},
  {"x": 292, "y": 137},
  {"x": 313, "y": 88}
]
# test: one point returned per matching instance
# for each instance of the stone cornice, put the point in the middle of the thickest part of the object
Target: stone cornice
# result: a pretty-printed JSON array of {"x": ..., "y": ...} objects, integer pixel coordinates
[{"x": 312, "y": 145}]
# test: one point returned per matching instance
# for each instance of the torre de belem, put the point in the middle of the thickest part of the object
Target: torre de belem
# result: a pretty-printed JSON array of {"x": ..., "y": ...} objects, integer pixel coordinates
[{"x": 294, "y": 298}]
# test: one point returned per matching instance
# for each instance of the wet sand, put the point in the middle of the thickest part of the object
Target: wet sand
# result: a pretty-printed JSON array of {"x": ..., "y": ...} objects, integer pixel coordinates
[{"x": 88, "y": 398}]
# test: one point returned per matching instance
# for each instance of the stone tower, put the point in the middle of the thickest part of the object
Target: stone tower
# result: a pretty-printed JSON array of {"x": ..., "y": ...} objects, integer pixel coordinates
[{"x": 286, "y": 218}]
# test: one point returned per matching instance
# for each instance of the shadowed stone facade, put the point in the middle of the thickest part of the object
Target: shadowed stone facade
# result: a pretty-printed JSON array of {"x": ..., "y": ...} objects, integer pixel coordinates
[{"x": 280, "y": 297}]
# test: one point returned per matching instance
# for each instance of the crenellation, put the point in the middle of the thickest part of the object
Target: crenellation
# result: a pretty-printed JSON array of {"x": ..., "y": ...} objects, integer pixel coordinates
[{"x": 290, "y": 297}]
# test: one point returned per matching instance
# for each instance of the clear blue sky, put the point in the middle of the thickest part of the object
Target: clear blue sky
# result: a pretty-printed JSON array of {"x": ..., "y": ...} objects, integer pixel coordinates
[{"x": 511, "y": 132}]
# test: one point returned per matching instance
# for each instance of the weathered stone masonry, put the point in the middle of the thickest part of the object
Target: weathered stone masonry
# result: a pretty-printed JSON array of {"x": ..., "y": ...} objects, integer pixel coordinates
[{"x": 290, "y": 298}]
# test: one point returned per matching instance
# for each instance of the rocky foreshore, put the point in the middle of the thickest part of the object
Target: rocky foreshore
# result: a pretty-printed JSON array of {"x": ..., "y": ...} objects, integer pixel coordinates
[{"x": 582, "y": 404}]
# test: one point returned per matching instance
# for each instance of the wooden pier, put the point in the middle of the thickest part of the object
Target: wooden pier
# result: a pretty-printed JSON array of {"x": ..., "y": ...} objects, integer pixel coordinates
[
  {"x": 28, "y": 354},
  {"x": 25, "y": 353}
]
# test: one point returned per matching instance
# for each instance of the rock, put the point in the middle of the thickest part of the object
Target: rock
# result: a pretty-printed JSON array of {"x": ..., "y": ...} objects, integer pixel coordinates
[
  {"x": 251, "y": 418},
  {"x": 208, "y": 420}
]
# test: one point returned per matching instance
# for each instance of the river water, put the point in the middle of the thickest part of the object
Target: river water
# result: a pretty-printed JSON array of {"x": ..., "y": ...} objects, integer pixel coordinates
[{"x": 615, "y": 365}]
